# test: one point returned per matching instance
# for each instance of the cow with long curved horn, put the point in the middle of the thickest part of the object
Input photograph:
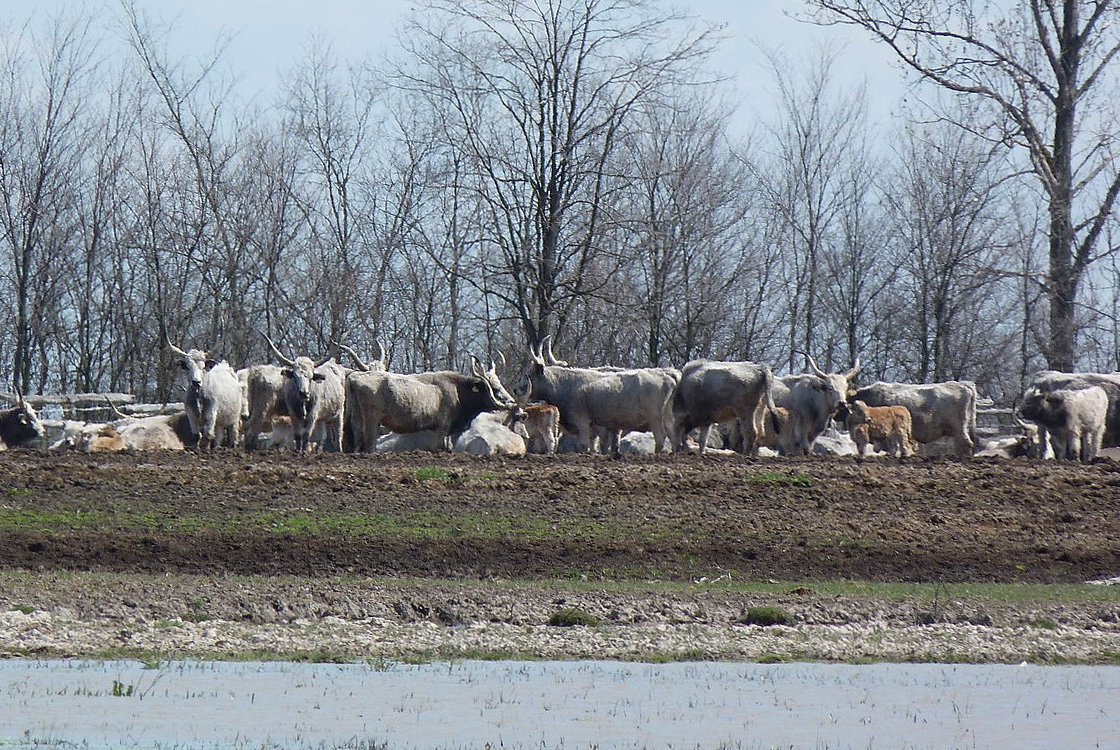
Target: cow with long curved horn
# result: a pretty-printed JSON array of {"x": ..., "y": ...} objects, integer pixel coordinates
[
  {"x": 810, "y": 401},
  {"x": 315, "y": 398},
  {"x": 212, "y": 399},
  {"x": 377, "y": 365}
]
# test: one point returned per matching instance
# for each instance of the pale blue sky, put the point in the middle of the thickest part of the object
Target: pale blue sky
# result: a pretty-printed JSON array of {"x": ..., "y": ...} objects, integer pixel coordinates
[{"x": 269, "y": 36}]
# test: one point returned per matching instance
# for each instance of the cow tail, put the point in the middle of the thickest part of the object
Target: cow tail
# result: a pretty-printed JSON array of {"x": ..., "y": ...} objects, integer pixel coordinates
[
  {"x": 768, "y": 384},
  {"x": 972, "y": 418}
]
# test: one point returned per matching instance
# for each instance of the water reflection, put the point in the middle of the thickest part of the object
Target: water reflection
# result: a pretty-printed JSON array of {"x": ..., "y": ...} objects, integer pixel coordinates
[{"x": 555, "y": 705}]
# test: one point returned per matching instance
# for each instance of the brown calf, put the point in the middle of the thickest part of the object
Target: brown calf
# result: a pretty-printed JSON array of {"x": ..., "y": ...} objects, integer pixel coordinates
[
  {"x": 886, "y": 427},
  {"x": 541, "y": 427}
]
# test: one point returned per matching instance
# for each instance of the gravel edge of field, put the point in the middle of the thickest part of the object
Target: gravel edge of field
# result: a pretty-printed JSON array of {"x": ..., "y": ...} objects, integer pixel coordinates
[{"x": 98, "y": 615}]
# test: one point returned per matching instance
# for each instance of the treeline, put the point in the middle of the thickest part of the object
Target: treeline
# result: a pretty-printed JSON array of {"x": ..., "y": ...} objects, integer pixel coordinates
[{"x": 516, "y": 170}]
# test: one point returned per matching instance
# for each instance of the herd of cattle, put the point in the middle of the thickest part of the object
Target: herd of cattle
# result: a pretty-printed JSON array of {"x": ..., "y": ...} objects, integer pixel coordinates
[{"x": 305, "y": 404}]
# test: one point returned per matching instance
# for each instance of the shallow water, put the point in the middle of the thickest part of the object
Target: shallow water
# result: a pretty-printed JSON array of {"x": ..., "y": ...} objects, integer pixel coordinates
[{"x": 545, "y": 705}]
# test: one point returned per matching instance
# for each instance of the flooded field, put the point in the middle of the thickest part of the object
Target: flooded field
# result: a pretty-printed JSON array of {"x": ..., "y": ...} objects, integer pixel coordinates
[{"x": 545, "y": 705}]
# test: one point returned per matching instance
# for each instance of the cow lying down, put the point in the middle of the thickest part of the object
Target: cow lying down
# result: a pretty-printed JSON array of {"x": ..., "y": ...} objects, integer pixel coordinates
[
  {"x": 160, "y": 432},
  {"x": 489, "y": 433}
]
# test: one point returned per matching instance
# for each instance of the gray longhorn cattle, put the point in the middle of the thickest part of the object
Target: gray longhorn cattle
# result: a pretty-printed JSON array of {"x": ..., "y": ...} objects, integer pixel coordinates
[
  {"x": 811, "y": 401},
  {"x": 937, "y": 410},
  {"x": 711, "y": 392},
  {"x": 315, "y": 397},
  {"x": 20, "y": 426},
  {"x": 213, "y": 398},
  {"x": 443, "y": 402},
  {"x": 1076, "y": 421},
  {"x": 606, "y": 400},
  {"x": 1047, "y": 381}
]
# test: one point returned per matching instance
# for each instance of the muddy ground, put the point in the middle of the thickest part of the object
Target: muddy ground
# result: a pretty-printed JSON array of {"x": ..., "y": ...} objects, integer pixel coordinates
[
  {"x": 678, "y": 517},
  {"x": 281, "y": 538}
]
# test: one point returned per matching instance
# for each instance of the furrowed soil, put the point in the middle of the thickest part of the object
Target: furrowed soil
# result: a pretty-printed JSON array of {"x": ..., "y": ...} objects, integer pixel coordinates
[{"x": 263, "y": 538}]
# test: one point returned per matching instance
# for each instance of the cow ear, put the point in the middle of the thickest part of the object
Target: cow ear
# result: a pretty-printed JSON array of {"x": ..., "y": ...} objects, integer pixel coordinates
[
  {"x": 182, "y": 364},
  {"x": 211, "y": 364},
  {"x": 318, "y": 376},
  {"x": 288, "y": 372}
]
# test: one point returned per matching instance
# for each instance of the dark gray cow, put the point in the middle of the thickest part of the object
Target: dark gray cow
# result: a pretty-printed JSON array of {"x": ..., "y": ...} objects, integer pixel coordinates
[
  {"x": 20, "y": 426},
  {"x": 711, "y": 392}
]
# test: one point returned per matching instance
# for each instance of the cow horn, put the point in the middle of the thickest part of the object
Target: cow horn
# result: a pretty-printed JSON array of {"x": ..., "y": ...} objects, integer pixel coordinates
[
  {"x": 816, "y": 370},
  {"x": 381, "y": 355},
  {"x": 279, "y": 356},
  {"x": 174, "y": 348},
  {"x": 852, "y": 372},
  {"x": 502, "y": 357},
  {"x": 537, "y": 354},
  {"x": 353, "y": 355},
  {"x": 323, "y": 361},
  {"x": 476, "y": 368},
  {"x": 552, "y": 357},
  {"x": 113, "y": 406}
]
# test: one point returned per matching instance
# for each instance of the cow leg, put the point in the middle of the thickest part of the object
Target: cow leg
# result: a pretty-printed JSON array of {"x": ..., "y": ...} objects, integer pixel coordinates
[
  {"x": 336, "y": 432},
  {"x": 704, "y": 432},
  {"x": 584, "y": 436}
]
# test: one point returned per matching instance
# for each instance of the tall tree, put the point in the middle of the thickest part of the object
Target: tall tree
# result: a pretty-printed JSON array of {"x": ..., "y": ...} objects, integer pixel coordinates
[
  {"x": 1042, "y": 70},
  {"x": 537, "y": 97},
  {"x": 41, "y": 142}
]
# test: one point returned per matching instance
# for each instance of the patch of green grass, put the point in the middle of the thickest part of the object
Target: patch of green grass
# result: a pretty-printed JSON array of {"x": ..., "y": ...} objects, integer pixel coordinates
[
  {"x": 570, "y": 616},
  {"x": 24, "y": 608},
  {"x": 1043, "y": 623},
  {"x": 776, "y": 477},
  {"x": 19, "y": 492},
  {"x": 772, "y": 659},
  {"x": 766, "y": 616},
  {"x": 51, "y": 520},
  {"x": 121, "y": 690}
]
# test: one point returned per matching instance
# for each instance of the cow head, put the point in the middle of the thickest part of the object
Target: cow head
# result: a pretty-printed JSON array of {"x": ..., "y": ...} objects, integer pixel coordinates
[
  {"x": 835, "y": 385},
  {"x": 857, "y": 413},
  {"x": 489, "y": 376},
  {"x": 21, "y": 424},
  {"x": 302, "y": 371},
  {"x": 195, "y": 363}
]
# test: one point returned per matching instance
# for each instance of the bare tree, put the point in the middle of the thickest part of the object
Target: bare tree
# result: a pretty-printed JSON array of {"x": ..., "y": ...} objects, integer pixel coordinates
[
  {"x": 1042, "y": 68},
  {"x": 41, "y": 143},
  {"x": 818, "y": 139},
  {"x": 948, "y": 205},
  {"x": 683, "y": 215},
  {"x": 537, "y": 97}
]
